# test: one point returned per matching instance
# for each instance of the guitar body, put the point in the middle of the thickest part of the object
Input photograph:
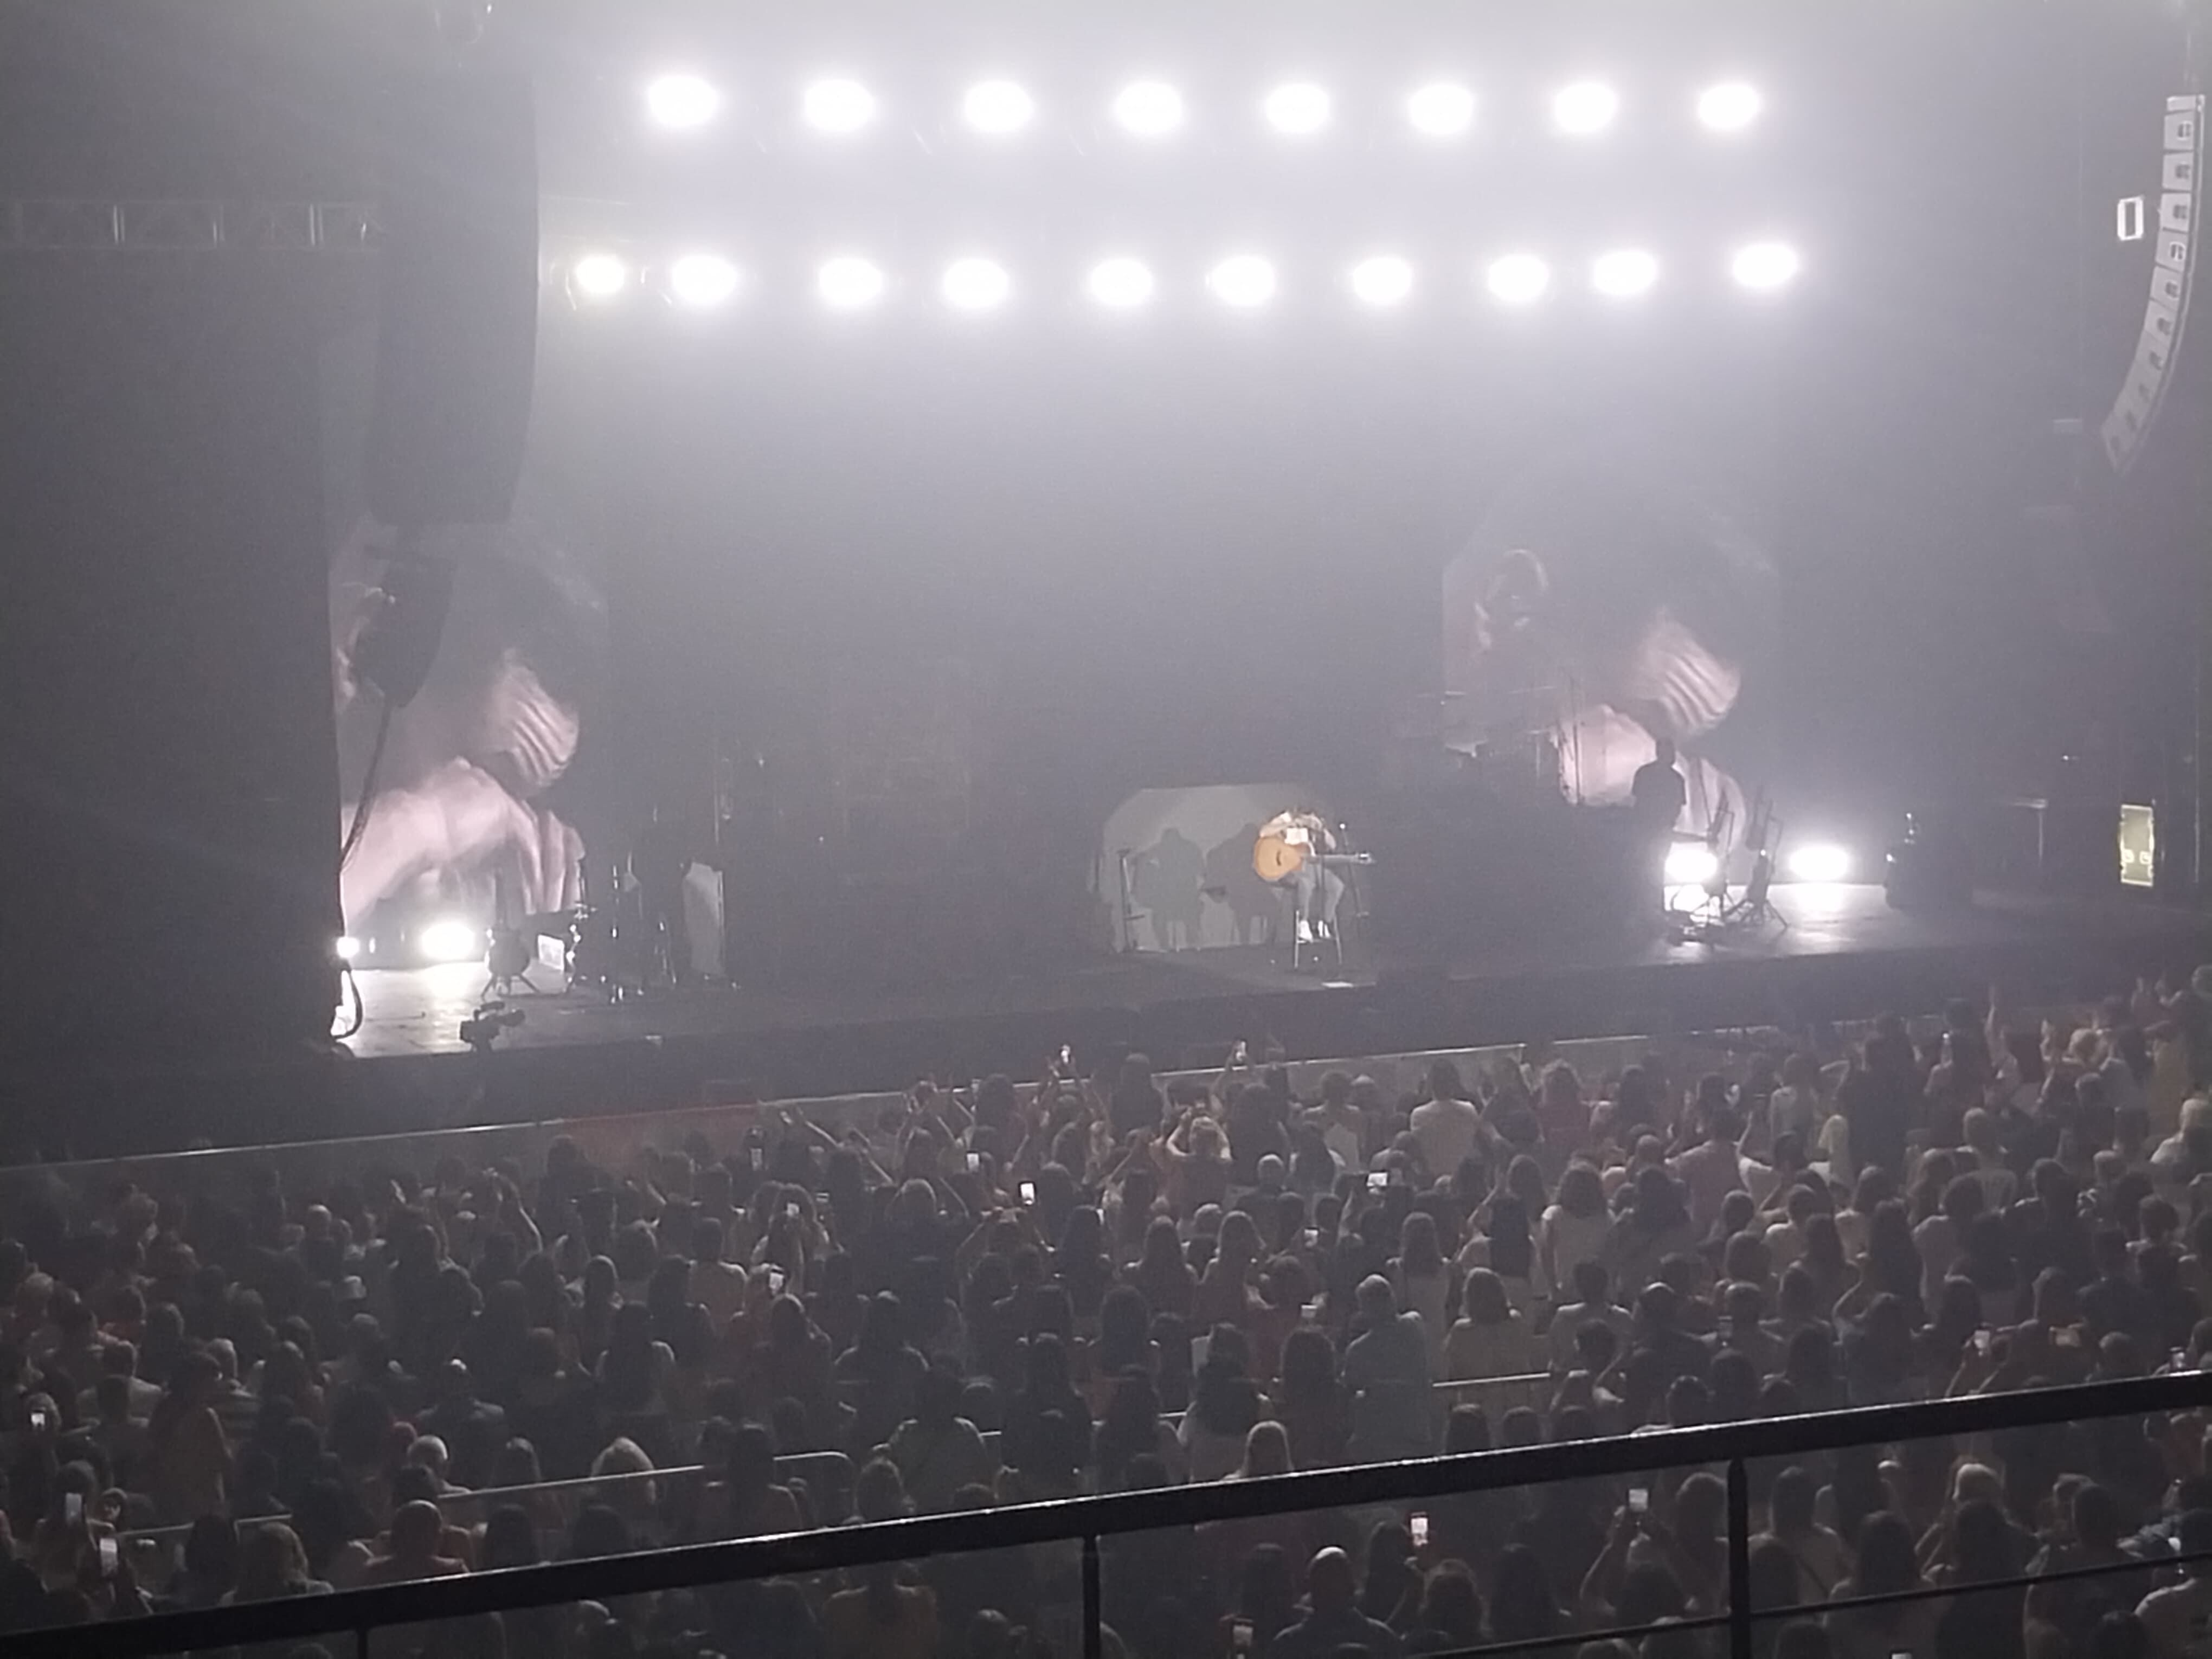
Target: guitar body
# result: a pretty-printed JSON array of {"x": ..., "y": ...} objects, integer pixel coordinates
[{"x": 1277, "y": 857}]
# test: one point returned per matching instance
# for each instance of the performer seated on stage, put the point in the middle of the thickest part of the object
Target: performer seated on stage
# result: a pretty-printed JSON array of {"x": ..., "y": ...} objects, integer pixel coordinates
[{"x": 1314, "y": 889}]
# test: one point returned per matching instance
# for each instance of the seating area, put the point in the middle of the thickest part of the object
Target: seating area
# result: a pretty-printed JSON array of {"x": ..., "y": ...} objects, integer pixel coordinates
[{"x": 239, "y": 1374}]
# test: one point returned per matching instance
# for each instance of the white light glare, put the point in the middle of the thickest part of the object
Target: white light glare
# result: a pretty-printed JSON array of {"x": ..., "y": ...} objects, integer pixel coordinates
[
  {"x": 680, "y": 102},
  {"x": 599, "y": 276},
  {"x": 1730, "y": 107},
  {"x": 975, "y": 285},
  {"x": 847, "y": 283},
  {"x": 1585, "y": 107},
  {"x": 839, "y": 107},
  {"x": 997, "y": 107},
  {"x": 701, "y": 280},
  {"x": 1519, "y": 278},
  {"x": 1244, "y": 281},
  {"x": 451, "y": 940},
  {"x": 1384, "y": 280},
  {"x": 1765, "y": 265},
  {"x": 1820, "y": 862},
  {"x": 1120, "y": 284},
  {"x": 1299, "y": 109},
  {"x": 1624, "y": 273},
  {"x": 1440, "y": 109},
  {"x": 1691, "y": 864},
  {"x": 347, "y": 947},
  {"x": 1150, "y": 109}
]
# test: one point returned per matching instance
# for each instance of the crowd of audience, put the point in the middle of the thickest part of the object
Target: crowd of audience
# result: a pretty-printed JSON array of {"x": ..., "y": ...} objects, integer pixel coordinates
[{"x": 1100, "y": 1284}]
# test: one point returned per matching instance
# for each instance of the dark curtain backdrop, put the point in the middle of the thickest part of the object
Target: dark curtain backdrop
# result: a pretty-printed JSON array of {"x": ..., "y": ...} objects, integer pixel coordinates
[
  {"x": 166, "y": 753},
  {"x": 168, "y": 805}
]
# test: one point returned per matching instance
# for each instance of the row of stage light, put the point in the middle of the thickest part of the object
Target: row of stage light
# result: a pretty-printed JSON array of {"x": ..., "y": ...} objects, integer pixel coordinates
[
  {"x": 840, "y": 108},
  {"x": 1245, "y": 282}
]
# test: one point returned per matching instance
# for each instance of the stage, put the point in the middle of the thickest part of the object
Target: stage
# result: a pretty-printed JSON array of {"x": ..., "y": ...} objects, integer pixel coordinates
[{"x": 1846, "y": 954}]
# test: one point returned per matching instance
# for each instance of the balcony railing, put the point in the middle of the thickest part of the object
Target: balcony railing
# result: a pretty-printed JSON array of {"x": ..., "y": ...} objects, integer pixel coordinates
[{"x": 1087, "y": 1521}]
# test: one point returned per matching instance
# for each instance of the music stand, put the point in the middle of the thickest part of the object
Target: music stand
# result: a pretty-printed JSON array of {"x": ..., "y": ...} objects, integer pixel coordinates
[{"x": 1756, "y": 908}]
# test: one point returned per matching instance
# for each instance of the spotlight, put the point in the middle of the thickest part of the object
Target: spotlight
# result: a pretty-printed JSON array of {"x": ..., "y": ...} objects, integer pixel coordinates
[
  {"x": 847, "y": 283},
  {"x": 680, "y": 102},
  {"x": 1149, "y": 109},
  {"x": 1518, "y": 278},
  {"x": 347, "y": 947},
  {"x": 1730, "y": 107},
  {"x": 1298, "y": 109},
  {"x": 1585, "y": 107},
  {"x": 702, "y": 280},
  {"x": 599, "y": 276},
  {"x": 1120, "y": 284},
  {"x": 1244, "y": 281},
  {"x": 451, "y": 940},
  {"x": 1441, "y": 110},
  {"x": 1624, "y": 273},
  {"x": 975, "y": 285},
  {"x": 839, "y": 107},
  {"x": 1384, "y": 280},
  {"x": 1819, "y": 862},
  {"x": 997, "y": 107},
  {"x": 1765, "y": 265},
  {"x": 1691, "y": 864}
]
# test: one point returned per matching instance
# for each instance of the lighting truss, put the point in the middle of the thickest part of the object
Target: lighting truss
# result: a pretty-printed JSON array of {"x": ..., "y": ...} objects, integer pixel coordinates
[{"x": 41, "y": 225}]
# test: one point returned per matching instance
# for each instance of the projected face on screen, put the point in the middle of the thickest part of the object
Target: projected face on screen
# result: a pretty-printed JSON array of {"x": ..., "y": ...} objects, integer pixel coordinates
[
  {"x": 1595, "y": 612},
  {"x": 459, "y": 807}
]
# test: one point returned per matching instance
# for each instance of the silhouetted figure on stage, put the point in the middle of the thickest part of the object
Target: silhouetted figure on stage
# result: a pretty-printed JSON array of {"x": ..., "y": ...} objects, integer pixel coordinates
[
  {"x": 1657, "y": 796},
  {"x": 659, "y": 860},
  {"x": 1170, "y": 875},
  {"x": 1250, "y": 900}
]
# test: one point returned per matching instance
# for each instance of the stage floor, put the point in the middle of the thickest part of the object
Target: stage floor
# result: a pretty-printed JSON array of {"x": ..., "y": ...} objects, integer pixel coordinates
[
  {"x": 418, "y": 1012},
  {"x": 1847, "y": 956}
]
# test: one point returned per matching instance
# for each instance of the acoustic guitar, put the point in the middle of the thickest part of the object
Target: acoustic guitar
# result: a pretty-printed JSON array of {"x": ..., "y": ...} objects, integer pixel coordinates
[{"x": 1277, "y": 857}]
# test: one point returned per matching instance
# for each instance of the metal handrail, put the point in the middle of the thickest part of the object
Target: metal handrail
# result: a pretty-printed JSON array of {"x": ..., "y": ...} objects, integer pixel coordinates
[
  {"x": 1089, "y": 1519},
  {"x": 797, "y": 1465}
]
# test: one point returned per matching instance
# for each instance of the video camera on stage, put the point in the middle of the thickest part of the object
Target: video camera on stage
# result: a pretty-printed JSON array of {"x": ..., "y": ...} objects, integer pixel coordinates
[{"x": 481, "y": 1029}]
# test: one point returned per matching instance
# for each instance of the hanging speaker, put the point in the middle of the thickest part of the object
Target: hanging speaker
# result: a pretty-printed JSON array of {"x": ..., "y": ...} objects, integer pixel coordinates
[
  {"x": 2139, "y": 162},
  {"x": 458, "y": 333}
]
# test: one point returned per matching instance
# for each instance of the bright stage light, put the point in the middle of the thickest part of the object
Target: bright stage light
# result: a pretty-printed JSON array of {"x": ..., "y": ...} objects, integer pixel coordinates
[
  {"x": 1518, "y": 278},
  {"x": 997, "y": 107},
  {"x": 1691, "y": 864},
  {"x": 1819, "y": 862},
  {"x": 1441, "y": 110},
  {"x": 1150, "y": 109},
  {"x": 347, "y": 947},
  {"x": 1120, "y": 284},
  {"x": 1730, "y": 107},
  {"x": 1244, "y": 281},
  {"x": 1384, "y": 280},
  {"x": 680, "y": 102},
  {"x": 975, "y": 285},
  {"x": 702, "y": 280},
  {"x": 840, "y": 108},
  {"x": 451, "y": 940},
  {"x": 1765, "y": 265},
  {"x": 847, "y": 283},
  {"x": 1585, "y": 107},
  {"x": 599, "y": 276},
  {"x": 1624, "y": 273},
  {"x": 1298, "y": 109}
]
